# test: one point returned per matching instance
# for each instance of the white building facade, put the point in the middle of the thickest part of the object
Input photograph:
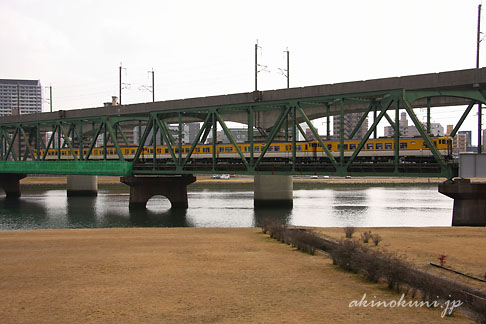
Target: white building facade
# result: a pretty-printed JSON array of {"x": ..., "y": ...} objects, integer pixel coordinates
[{"x": 26, "y": 94}]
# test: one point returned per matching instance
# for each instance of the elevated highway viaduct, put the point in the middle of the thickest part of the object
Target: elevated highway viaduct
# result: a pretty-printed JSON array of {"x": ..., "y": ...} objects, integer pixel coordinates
[{"x": 273, "y": 112}]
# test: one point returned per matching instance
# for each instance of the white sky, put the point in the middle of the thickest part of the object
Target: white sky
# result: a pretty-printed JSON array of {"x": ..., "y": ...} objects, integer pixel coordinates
[{"x": 202, "y": 48}]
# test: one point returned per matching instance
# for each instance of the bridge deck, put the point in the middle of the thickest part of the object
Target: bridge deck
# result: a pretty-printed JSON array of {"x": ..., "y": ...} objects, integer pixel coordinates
[{"x": 452, "y": 80}]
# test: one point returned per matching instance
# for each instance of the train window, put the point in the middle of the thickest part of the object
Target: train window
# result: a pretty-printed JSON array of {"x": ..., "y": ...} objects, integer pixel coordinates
[
  {"x": 159, "y": 151},
  {"x": 206, "y": 150},
  {"x": 306, "y": 146},
  {"x": 379, "y": 146},
  {"x": 277, "y": 148},
  {"x": 221, "y": 149},
  {"x": 352, "y": 146},
  {"x": 370, "y": 146},
  {"x": 270, "y": 148},
  {"x": 256, "y": 148},
  {"x": 329, "y": 146},
  {"x": 388, "y": 146},
  {"x": 298, "y": 147},
  {"x": 435, "y": 143},
  {"x": 228, "y": 149},
  {"x": 314, "y": 144},
  {"x": 150, "y": 151},
  {"x": 403, "y": 145},
  {"x": 133, "y": 151},
  {"x": 413, "y": 142}
]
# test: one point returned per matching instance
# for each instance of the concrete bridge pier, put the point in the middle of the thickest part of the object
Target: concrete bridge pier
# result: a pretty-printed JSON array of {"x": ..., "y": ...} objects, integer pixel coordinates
[
  {"x": 82, "y": 185},
  {"x": 469, "y": 202},
  {"x": 10, "y": 183},
  {"x": 273, "y": 191},
  {"x": 172, "y": 187}
]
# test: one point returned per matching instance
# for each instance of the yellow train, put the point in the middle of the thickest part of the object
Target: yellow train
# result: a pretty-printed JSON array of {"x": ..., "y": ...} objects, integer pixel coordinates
[{"x": 410, "y": 149}]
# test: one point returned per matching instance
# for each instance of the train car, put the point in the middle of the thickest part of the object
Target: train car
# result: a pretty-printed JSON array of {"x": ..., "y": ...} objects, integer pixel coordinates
[{"x": 381, "y": 149}]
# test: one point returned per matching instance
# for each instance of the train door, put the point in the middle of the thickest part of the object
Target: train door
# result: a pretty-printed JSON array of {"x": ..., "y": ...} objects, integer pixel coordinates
[{"x": 314, "y": 150}]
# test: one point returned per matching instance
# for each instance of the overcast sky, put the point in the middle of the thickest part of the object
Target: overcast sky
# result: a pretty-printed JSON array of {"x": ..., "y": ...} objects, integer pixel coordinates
[{"x": 201, "y": 48}]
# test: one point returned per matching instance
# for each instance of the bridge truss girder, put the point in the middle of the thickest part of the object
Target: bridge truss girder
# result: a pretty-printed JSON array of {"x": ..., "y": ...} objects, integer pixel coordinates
[{"x": 21, "y": 144}]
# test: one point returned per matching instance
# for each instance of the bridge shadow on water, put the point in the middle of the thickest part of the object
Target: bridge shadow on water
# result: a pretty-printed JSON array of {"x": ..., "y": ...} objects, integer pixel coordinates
[
  {"x": 89, "y": 212},
  {"x": 81, "y": 212},
  {"x": 165, "y": 218},
  {"x": 280, "y": 215}
]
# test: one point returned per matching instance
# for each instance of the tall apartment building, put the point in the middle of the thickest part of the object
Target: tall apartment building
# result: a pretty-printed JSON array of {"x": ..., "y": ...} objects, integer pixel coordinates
[
  {"x": 484, "y": 141},
  {"x": 450, "y": 128},
  {"x": 436, "y": 129},
  {"x": 189, "y": 133},
  {"x": 459, "y": 143},
  {"x": 350, "y": 123},
  {"x": 26, "y": 94}
]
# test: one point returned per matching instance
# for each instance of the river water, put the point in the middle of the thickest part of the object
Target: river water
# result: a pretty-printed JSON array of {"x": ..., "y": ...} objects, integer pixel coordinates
[{"x": 232, "y": 207}]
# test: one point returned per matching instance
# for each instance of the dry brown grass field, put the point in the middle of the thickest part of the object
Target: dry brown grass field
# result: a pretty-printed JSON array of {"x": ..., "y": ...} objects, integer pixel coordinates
[
  {"x": 186, "y": 275},
  {"x": 464, "y": 247}
]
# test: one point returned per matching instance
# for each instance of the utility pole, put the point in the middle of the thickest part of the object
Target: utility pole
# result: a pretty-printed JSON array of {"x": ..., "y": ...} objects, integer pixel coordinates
[
  {"x": 286, "y": 72},
  {"x": 264, "y": 67},
  {"x": 478, "y": 37},
  {"x": 477, "y": 67},
  {"x": 50, "y": 96},
  {"x": 288, "y": 68},
  {"x": 256, "y": 66},
  {"x": 153, "y": 86},
  {"x": 120, "y": 97},
  {"x": 149, "y": 88}
]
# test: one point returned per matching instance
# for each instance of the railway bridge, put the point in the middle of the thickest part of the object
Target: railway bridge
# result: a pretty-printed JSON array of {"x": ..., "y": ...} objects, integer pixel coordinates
[{"x": 94, "y": 141}]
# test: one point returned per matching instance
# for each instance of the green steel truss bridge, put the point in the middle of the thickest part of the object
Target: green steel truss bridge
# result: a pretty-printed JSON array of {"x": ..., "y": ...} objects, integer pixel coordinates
[{"x": 278, "y": 114}]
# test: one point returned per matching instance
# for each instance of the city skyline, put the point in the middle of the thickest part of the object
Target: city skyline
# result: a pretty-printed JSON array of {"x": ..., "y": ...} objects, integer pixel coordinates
[{"x": 201, "y": 49}]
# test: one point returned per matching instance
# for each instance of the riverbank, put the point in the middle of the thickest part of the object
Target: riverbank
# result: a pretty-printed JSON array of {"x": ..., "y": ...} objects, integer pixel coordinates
[
  {"x": 205, "y": 179},
  {"x": 187, "y": 275},
  {"x": 464, "y": 248}
]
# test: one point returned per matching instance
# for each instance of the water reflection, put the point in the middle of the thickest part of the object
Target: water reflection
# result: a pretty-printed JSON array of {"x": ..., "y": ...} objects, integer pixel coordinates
[
  {"x": 279, "y": 215},
  {"x": 350, "y": 206},
  {"x": 81, "y": 212},
  {"x": 20, "y": 213},
  {"x": 372, "y": 206},
  {"x": 168, "y": 218}
]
